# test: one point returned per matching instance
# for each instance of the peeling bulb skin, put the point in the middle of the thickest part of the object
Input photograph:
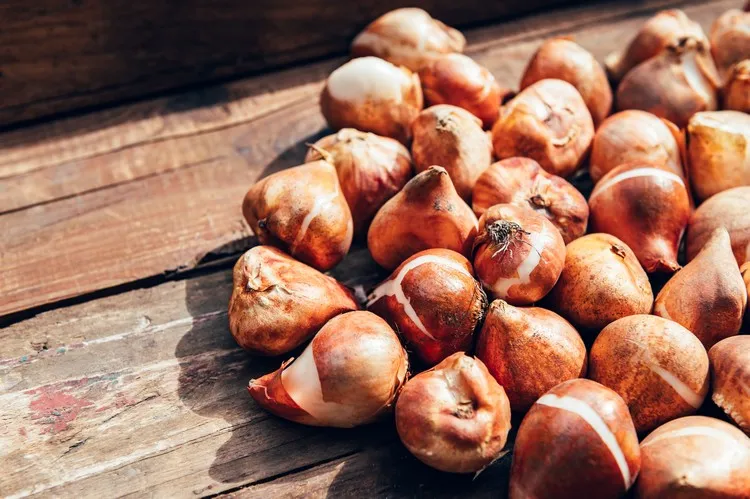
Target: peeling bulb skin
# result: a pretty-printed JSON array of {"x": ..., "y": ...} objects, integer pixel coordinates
[
  {"x": 302, "y": 211},
  {"x": 452, "y": 138},
  {"x": 372, "y": 95},
  {"x": 645, "y": 206},
  {"x": 523, "y": 183},
  {"x": 730, "y": 367},
  {"x": 407, "y": 37},
  {"x": 730, "y": 39},
  {"x": 728, "y": 209},
  {"x": 745, "y": 271},
  {"x": 434, "y": 302},
  {"x": 708, "y": 296},
  {"x": 664, "y": 29},
  {"x": 658, "y": 367},
  {"x": 679, "y": 82},
  {"x": 349, "y": 375},
  {"x": 576, "y": 441},
  {"x": 634, "y": 135},
  {"x": 454, "y": 417},
  {"x": 458, "y": 80},
  {"x": 566, "y": 60},
  {"x": 518, "y": 255},
  {"x": 694, "y": 456},
  {"x": 547, "y": 122},
  {"x": 533, "y": 341},
  {"x": 278, "y": 303},
  {"x": 427, "y": 213},
  {"x": 737, "y": 88},
  {"x": 371, "y": 170},
  {"x": 718, "y": 151},
  {"x": 601, "y": 282}
]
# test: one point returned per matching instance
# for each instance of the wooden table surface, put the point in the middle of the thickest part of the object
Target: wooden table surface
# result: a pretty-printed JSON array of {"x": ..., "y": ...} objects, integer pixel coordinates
[{"x": 118, "y": 374}]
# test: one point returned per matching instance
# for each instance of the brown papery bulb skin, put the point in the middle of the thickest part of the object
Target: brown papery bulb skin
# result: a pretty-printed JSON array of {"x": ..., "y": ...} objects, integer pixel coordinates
[
  {"x": 718, "y": 149},
  {"x": 576, "y": 441},
  {"x": 730, "y": 39},
  {"x": 458, "y": 80},
  {"x": 278, "y": 303},
  {"x": 708, "y": 295},
  {"x": 745, "y": 271},
  {"x": 634, "y": 135},
  {"x": 665, "y": 28},
  {"x": 566, "y": 60},
  {"x": 548, "y": 122},
  {"x": 518, "y": 255},
  {"x": 452, "y": 138},
  {"x": 679, "y": 82},
  {"x": 303, "y": 211},
  {"x": 434, "y": 302},
  {"x": 427, "y": 213},
  {"x": 658, "y": 367},
  {"x": 528, "y": 351},
  {"x": 730, "y": 367},
  {"x": 371, "y": 170},
  {"x": 407, "y": 37},
  {"x": 372, "y": 95},
  {"x": 522, "y": 182},
  {"x": 454, "y": 417},
  {"x": 728, "y": 209},
  {"x": 349, "y": 375},
  {"x": 694, "y": 457},
  {"x": 647, "y": 207},
  {"x": 737, "y": 88},
  {"x": 601, "y": 282}
]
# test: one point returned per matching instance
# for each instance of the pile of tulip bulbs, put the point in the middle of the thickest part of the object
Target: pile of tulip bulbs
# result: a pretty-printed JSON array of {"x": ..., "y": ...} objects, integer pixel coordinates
[{"x": 509, "y": 291}]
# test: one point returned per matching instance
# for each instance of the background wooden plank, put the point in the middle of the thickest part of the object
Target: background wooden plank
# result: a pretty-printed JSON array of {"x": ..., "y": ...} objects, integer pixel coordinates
[
  {"x": 156, "y": 193},
  {"x": 58, "y": 55}
]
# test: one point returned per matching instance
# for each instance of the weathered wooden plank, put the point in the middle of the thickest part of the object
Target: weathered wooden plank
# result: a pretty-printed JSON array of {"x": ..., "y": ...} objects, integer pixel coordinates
[
  {"x": 59, "y": 55},
  {"x": 160, "y": 205},
  {"x": 144, "y": 392}
]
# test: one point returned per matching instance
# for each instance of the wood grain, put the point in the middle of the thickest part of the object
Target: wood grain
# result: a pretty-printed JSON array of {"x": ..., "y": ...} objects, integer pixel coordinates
[
  {"x": 156, "y": 189},
  {"x": 58, "y": 55}
]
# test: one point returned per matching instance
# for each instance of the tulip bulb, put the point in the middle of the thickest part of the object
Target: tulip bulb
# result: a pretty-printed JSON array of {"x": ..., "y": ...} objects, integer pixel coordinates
[
  {"x": 518, "y": 255},
  {"x": 434, "y": 303},
  {"x": 303, "y": 211},
  {"x": 634, "y": 135},
  {"x": 708, "y": 296},
  {"x": 658, "y": 367},
  {"x": 718, "y": 151},
  {"x": 576, "y": 441},
  {"x": 427, "y": 213},
  {"x": 458, "y": 80},
  {"x": 601, "y": 282},
  {"x": 728, "y": 209},
  {"x": 745, "y": 271},
  {"x": 452, "y": 138},
  {"x": 664, "y": 29},
  {"x": 645, "y": 206},
  {"x": 679, "y": 82},
  {"x": 528, "y": 351},
  {"x": 372, "y": 95},
  {"x": 564, "y": 59},
  {"x": 548, "y": 122},
  {"x": 349, "y": 375},
  {"x": 279, "y": 303},
  {"x": 371, "y": 170},
  {"x": 730, "y": 365},
  {"x": 408, "y": 37},
  {"x": 454, "y": 417},
  {"x": 523, "y": 183},
  {"x": 730, "y": 39},
  {"x": 737, "y": 88},
  {"x": 694, "y": 456}
]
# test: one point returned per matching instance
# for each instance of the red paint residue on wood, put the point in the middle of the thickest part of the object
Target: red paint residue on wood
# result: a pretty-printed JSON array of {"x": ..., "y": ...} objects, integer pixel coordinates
[{"x": 55, "y": 409}]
